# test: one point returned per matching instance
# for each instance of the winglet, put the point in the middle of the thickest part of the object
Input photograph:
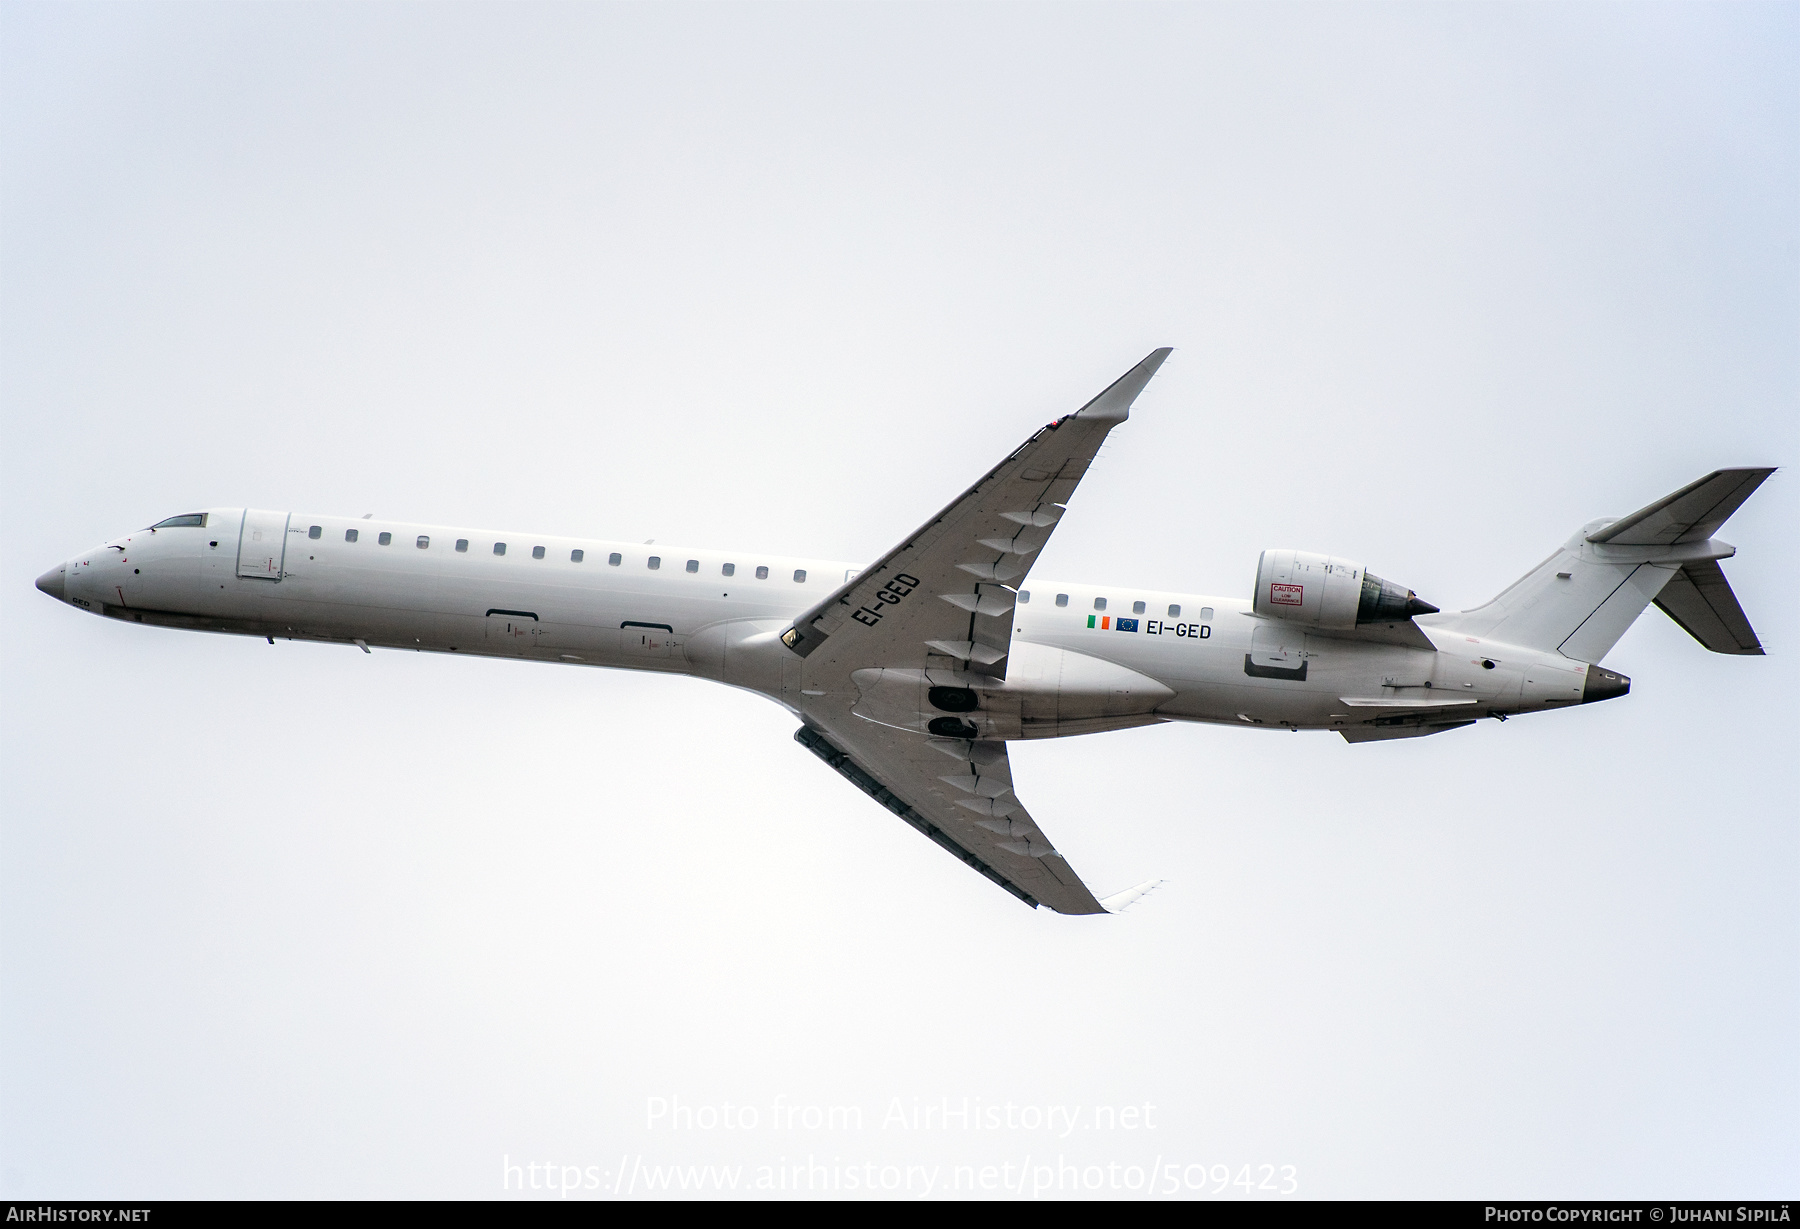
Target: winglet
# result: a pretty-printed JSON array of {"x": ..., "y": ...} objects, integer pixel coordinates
[
  {"x": 1114, "y": 405},
  {"x": 1118, "y": 902}
]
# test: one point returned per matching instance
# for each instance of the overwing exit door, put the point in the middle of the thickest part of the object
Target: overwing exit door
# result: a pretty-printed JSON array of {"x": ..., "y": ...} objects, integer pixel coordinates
[
  {"x": 514, "y": 631},
  {"x": 262, "y": 544},
  {"x": 654, "y": 640}
]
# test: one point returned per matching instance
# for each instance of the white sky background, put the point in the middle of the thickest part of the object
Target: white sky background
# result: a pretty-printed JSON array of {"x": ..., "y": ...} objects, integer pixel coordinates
[{"x": 1444, "y": 282}]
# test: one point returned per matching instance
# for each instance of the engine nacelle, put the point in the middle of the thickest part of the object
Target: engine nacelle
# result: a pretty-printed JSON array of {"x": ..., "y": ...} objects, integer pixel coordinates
[{"x": 1321, "y": 591}]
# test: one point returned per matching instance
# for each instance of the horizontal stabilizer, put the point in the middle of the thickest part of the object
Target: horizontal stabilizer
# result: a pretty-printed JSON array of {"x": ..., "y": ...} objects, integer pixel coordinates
[
  {"x": 1692, "y": 514},
  {"x": 1700, "y": 600},
  {"x": 1118, "y": 902}
]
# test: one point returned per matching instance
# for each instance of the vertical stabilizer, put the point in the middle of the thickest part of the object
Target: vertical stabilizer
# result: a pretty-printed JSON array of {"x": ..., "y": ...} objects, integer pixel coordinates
[{"x": 1581, "y": 600}]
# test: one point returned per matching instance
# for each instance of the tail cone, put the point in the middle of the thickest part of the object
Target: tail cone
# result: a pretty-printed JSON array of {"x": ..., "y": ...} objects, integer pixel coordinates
[{"x": 1603, "y": 685}]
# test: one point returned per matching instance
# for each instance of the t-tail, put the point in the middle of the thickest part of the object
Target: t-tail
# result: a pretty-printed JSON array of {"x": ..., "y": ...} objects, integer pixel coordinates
[{"x": 1579, "y": 601}]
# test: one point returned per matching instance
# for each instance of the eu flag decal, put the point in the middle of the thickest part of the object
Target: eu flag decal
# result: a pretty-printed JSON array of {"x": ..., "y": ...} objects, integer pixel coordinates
[{"x": 1125, "y": 625}]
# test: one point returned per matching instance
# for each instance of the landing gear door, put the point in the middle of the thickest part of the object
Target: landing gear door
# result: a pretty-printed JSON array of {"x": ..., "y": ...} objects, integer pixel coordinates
[{"x": 262, "y": 544}]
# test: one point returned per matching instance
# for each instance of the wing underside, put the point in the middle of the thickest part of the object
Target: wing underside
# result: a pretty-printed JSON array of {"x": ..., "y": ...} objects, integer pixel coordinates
[{"x": 958, "y": 794}]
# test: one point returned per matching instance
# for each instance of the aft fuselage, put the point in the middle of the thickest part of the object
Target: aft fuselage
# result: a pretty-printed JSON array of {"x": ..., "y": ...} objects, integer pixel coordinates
[{"x": 1085, "y": 657}]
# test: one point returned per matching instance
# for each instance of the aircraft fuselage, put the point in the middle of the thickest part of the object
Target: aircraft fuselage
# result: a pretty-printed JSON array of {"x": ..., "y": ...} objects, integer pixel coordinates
[{"x": 1085, "y": 657}]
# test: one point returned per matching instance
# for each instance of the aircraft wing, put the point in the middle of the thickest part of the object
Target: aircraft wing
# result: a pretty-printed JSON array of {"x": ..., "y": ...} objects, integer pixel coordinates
[
  {"x": 943, "y": 599},
  {"x": 959, "y": 794},
  {"x": 947, "y": 589}
]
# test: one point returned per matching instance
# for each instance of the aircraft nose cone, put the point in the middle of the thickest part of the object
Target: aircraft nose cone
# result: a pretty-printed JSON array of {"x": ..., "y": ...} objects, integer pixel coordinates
[{"x": 51, "y": 582}]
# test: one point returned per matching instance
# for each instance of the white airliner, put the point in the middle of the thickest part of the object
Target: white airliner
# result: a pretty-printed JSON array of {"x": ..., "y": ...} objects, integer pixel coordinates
[{"x": 910, "y": 674}]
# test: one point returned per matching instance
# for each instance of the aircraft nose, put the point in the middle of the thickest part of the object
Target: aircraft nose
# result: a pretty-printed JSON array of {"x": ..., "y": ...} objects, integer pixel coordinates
[{"x": 51, "y": 582}]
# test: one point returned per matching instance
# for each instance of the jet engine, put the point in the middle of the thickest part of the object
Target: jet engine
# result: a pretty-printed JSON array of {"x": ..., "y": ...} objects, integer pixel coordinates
[{"x": 1321, "y": 591}]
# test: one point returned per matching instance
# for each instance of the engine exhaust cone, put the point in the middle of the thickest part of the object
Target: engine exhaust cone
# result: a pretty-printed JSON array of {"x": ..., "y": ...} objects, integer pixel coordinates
[{"x": 1383, "y": 601}]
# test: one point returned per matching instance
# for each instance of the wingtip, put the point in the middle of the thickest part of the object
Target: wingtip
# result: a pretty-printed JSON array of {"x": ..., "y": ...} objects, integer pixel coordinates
[
  {"x": 1119, "y": 902},
  {"x": 1153, "y": 361},
  {"x": 1114, "y": 404}
]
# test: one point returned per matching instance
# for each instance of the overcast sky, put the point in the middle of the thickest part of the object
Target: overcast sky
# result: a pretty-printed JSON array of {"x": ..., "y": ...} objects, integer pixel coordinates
[{"x": 1444, "y": 282}]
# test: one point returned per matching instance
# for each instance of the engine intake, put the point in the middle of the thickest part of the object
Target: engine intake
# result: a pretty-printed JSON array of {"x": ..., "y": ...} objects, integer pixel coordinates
[{"x": 1323, "y": 591}]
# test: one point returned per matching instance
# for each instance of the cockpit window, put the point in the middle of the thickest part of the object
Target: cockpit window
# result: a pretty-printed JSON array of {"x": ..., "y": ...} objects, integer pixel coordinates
[{"x": 188, "y": 520}]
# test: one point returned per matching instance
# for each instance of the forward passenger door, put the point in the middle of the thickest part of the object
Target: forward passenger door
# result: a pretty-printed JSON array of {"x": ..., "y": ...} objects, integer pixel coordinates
[{"x": 262, "y": 544}]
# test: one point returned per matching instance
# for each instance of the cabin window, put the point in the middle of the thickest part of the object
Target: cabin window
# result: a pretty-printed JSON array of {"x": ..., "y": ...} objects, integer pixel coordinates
[
  {"x": 386, "y": 539},
  {"x": 576, "y": 556},
  {"x": 537, "y": 552},
  {"x": 615, "y": 559},
  {"x": 1099, "y": 603},
  {"x": 1062, "y": 599},
  {"x": 729, "y": 569},
  {"x": 499, "y": 548},
  {"x": 693, "y": 565},
  {"x": 762, "y": 573},
  {"x": 462, "y": 545},
  {"x": 1137, "y": 608},
  {"x": 1024, "y": 596},
  {"x": 315, "y": 532},
  {"x": 1174, "y": 610},
  {"x": 799, "y": 576},
  {"x": 1205, "y": 614},
  {"x": 424, "y": 542},
  {"x": 349, "y": 535},
  {"x": 655, "y": 562}
]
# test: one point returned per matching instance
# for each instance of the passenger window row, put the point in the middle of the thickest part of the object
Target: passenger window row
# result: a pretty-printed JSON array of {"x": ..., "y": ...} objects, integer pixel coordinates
[
  {"x": 1062, "y": 599},
  {"x": 575, "y": 556}
]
